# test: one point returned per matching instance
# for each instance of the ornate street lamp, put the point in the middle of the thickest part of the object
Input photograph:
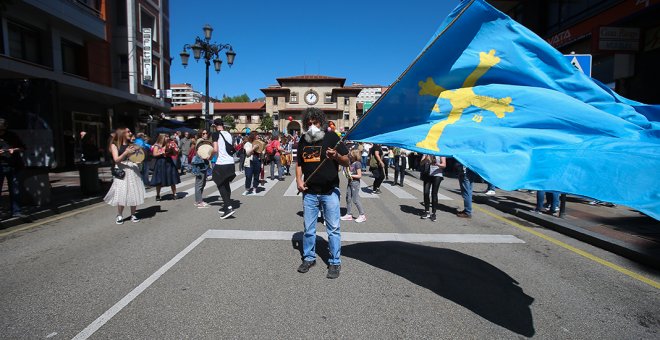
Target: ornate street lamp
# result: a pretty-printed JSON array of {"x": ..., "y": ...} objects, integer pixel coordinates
[{"x": 203, "y": 48}]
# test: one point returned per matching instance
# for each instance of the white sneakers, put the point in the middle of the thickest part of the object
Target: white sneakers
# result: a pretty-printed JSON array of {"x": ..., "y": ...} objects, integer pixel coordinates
[
  {"x": 490, "y": 193},
  {"x": 201, "y": 205},
  {"x": 120, "y": 219},
  {"x": 360, "y": 218}
]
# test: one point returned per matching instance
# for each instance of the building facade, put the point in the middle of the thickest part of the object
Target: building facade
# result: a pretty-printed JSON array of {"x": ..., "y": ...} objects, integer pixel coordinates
[
  {"x": 68, "y": 66},
  {"x": 369, "y": 93},
  {"x": 622, "y": 35},
  {"x": 246, "y": 115},
  {"x": 286, "y": 101},
  {"x": 184, "y": 94}
]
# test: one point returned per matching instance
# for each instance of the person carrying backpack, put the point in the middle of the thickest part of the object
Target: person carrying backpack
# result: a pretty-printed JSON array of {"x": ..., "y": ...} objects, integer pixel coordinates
[{"x": 273, "y": 150}]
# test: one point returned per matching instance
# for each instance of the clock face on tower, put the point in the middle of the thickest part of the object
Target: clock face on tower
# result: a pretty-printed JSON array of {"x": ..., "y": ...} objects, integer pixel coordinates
[{"x": 311, "y": 97}]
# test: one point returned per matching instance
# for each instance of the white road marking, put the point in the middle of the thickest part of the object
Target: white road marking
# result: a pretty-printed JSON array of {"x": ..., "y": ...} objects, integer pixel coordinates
[
  {"x": 292, "y": 190},
  {"x": 105, "y": 317},
  {"x": 270, "y": 183},
  {"x": 368, "y": 193},
  {"x": 51, "y": 335},
  {"x": 398, "y": 192},
  {"x": 239, "y": 182},
  {"x": 420, "y": 188},
  {"x": 284, "y": 236},
  {"x": 367, "y": 237}
]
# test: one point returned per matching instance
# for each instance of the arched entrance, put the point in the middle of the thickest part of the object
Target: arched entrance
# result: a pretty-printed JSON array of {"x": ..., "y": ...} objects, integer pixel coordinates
[{"x": 293, "y": 126}]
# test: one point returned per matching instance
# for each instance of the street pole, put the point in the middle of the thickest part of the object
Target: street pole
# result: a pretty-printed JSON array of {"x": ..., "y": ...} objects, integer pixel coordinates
[{"x": 207, "y": 113}]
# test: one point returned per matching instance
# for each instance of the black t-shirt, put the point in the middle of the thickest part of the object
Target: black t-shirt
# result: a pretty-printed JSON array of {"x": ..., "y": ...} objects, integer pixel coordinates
[
  {"x": 310, "y": 156},
  {"x": 10, "y": 140}
]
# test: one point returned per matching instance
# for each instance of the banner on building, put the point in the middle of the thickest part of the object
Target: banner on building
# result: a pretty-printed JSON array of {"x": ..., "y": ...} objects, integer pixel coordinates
[{"x": 146, "y": 55}]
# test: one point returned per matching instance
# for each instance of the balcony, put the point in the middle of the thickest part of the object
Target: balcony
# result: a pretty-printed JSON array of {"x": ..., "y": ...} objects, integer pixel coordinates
[{"x": 82, "y": 14}]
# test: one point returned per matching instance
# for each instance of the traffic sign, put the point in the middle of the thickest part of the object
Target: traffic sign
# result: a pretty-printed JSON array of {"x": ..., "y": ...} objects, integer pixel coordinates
[
  {"x": 582, "y": 62},
  {"x": 366, "y": 106}
]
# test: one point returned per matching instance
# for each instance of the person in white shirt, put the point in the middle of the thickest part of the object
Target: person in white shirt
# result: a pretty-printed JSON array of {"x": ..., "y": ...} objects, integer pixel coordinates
[{"x": 224, "y": 170}]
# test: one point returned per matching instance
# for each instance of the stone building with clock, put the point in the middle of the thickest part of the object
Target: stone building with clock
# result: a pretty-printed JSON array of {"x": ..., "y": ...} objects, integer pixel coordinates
[{"x": 286, "y": 101}]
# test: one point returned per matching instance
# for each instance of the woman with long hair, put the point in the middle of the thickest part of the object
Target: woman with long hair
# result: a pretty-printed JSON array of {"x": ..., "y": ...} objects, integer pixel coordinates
[
  {"x": 165, "y": 172},
  {"x": 127, "y": 191},
  {"x": 377, "y": 167},
  {"x": 252, "y": 165}
]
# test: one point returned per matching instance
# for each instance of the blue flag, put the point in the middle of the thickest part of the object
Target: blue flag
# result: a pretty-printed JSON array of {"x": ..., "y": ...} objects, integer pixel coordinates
[{"x": 498, "y": 98}]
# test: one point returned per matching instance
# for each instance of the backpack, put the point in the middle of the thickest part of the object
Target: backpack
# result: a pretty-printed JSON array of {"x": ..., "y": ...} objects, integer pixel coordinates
[{"x": 270, "y": 148}]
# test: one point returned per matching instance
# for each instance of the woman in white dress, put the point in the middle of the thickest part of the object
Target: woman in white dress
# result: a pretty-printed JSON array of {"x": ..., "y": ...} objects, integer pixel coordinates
[{"x": 128, "y": 191}]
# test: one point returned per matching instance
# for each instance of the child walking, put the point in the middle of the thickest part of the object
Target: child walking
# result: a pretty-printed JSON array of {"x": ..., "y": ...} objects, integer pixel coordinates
[{"x": 353, "y": 188}]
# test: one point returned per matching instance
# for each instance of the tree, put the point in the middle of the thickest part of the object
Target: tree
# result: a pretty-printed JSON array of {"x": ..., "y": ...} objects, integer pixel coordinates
[
  {"x": 267, "y": 123},
  {"x": 244, "y": 98},
  {"x": 230, "y": 123}
]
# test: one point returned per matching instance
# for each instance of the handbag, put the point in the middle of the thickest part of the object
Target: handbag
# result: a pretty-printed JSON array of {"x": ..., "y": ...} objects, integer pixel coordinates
[
  {"x": 228, "y": 147},
  {"x": 117, "y": 172},
  {"x": 373, "y": 162}
]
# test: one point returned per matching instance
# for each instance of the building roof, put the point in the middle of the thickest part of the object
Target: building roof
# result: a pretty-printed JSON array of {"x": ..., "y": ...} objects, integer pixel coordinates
[
  {"x": 181, "y": 85},
  {"x": 362, "y": 86},
  {"x": 312, "y": 77},
  {"x": 250, "y": 106}
]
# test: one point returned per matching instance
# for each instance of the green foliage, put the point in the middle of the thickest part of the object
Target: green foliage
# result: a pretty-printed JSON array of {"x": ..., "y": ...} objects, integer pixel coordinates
[
  {"x": 244, "y": 98},
  {"x": 230, "y": 123},
  {"x": 267, "y": 123}
]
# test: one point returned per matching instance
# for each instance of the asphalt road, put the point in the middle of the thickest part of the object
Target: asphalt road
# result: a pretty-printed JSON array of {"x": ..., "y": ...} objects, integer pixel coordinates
[{"x": 169, "y": 277}]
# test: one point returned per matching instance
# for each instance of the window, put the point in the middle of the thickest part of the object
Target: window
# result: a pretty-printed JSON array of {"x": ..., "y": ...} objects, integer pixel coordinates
[
  {"x": 275, "y": 101},
  {"x": 148, "y": 21},
  {"x": 347, "y": 115},
  {"x": 120, "y": 13},
  {"x": 328, "y": 97},
  {"x": 347, "y": 101},
  {"x": 24, "y": 43},
  {"x": 276, "y": 117},
  {"x": 123, "y": 67},
  {"x": 294, "y": 97},
  {"x": 73, "y": 58}
]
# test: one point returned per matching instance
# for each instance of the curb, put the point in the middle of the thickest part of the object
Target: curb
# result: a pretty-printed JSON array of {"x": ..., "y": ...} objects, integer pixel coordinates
[
  {"x": 630, "y": 251},
  {"x": 16, "y": 221}
]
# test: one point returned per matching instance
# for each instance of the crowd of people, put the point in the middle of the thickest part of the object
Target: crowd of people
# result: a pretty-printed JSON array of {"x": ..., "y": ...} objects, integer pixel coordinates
[{"x": 321, "y": 157}]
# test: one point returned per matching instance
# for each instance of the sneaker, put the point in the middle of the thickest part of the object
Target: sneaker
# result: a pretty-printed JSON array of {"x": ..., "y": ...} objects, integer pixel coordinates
[
  {"x": 224, "y": 213},
  {"x": 537, "y": 211},
  {"x": 202, "y": 205},
  {"x": 119, "y": 220},
  {"x": 346, "y": 217},
  {"x": 246, "y": 192},
  {"x": 361, "y": 219},
  {"x": 463, "y": 214},
  {"x": 157, "y": 198},
  {"x": 490, "y": 193},
  {"x": 134, "y": 219},
  {"x": 433, "y": 218},
  {"x": 305, "y": 265},
  {"x": 333, "y": 271},
  {"x": 426, "y": 215},
  {"x": 377, "y": 191}
]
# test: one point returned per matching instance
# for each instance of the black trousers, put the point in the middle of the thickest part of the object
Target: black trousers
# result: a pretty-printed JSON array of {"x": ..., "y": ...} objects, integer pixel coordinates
[
  {"x": 223, "y": 174},
  {"x": 379, "y": 176},
  {"x": 431, "y": 186}
]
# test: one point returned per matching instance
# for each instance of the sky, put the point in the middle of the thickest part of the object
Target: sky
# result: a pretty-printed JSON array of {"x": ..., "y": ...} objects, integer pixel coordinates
[{"x": 368, "y": 42}]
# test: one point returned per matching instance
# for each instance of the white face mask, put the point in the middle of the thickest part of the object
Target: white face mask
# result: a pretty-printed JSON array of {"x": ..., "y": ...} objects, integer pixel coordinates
[
  {"x": 314, "y": 129},
  {"x": 314, "y": 134}
]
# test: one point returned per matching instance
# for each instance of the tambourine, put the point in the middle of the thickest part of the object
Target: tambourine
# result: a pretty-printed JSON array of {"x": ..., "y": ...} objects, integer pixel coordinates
[
  {"x": 138, "y": 155},
  {"x": 258, "y": 146},
  {"x": 204, "y": 149}
]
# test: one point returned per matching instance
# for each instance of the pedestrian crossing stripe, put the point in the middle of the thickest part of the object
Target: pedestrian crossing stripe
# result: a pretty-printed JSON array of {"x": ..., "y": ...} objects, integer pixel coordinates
[
  {"x": 420, "y": 188},
  {"x": 292, "y": 189}
]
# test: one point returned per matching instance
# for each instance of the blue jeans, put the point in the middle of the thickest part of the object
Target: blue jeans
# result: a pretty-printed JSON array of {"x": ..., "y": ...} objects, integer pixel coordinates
[
  {"x": 364, "y": 163},
  {"x": 551, "y": 196},
  {"x": 252, "y": 173},
  {"x": 465, "y": 179},
  {"x": 330, "y": 205}
]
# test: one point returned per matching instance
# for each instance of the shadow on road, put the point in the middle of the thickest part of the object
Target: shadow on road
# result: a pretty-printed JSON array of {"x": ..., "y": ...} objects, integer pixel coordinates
[
  {"x": 466, "y": 280},
  {"x": 150, "y": 212}
]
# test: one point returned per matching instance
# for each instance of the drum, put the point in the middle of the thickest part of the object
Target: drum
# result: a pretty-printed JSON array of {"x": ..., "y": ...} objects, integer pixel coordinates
[
  {"x": 137, "y": 156},
  {"x": 258, "y": 146},
  {"x": 204, "y": 149}
]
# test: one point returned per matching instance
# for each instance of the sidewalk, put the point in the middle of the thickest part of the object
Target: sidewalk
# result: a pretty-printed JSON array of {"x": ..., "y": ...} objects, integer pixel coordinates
[{"x": 66, "y": 195}]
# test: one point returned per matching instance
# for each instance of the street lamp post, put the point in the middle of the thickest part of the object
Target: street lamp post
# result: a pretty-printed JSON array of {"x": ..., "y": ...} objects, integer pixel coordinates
[{"x": 203, "y": 48}]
